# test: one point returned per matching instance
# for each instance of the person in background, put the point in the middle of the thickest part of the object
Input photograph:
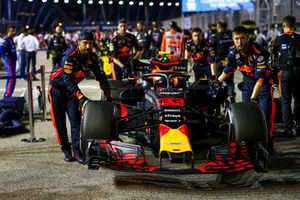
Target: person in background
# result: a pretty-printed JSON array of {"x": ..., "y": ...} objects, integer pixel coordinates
[
  {"x": 221, "y": 42},
  {"x": 21, "y": 57},
  {"x": 31, "y": 46},
  {"x": 285, "y": 49},
  {"x": 173, "y": 42},
  {"x": 56, "y": 46},
  {"x": 202, "y": 54},
  {"x": 9, "y": 53},
  {"x": 155, "y": 40},
  {"x": 272, "y": 33},
  {"x": 260, "y": 38},
  {"x": 143, "y": 39},
  {"x": 65, "y": 96},
  {"x": 121, "y": 47}
]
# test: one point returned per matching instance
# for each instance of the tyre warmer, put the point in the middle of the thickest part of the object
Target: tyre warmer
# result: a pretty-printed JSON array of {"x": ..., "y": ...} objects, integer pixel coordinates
[{"x": 121, "y": 156}]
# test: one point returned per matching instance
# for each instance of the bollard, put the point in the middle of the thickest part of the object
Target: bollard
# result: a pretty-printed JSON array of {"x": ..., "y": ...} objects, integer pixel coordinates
[
  {"x": 30, "y": 110},
  {"x": 43, "y": 85}
]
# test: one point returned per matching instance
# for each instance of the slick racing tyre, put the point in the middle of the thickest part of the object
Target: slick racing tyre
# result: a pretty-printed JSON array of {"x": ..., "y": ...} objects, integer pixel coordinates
[
  {"x": 247, "y": 126},
  {"x": 97, "y": 122},
  {"x": 247, "y": 123}
]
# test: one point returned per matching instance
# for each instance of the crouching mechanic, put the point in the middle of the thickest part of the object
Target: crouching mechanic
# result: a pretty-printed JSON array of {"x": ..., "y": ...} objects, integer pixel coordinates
[
  {"x": 65, "y": 95},
  {"x": 251, "y": 60}
]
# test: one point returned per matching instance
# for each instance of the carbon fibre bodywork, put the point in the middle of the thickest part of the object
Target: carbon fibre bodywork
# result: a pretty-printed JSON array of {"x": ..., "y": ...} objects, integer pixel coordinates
[{"x": 166, "y": 114}]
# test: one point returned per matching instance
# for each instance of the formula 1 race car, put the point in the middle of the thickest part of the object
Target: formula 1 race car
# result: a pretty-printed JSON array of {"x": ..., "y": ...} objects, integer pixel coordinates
[{"x": 166, "y": 117}]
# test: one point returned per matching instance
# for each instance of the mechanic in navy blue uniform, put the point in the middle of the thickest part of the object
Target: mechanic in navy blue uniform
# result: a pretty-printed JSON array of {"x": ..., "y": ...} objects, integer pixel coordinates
[
  {"x": 9, "y": 53},
  {"x": 222, "y": 41},
  {"x": 65, "y": 95},
  {"x": 56, "y": 46},
  {"x": 252, "y": 61},
  {"x": 143, "y": 40},
  {"x": 290, "y": 74},
  {"x": 202, "y": 54},
  {"x": 155, "y": 40},
  {"x": 121, "y": 49}
]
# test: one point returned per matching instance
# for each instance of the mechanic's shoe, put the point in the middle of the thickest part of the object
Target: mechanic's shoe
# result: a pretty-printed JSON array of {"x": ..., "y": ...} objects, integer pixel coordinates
[
  {"x": 68, "y": 156},
  {"x": 288, "y": 132},
  {"x": 79, "y": 157}
]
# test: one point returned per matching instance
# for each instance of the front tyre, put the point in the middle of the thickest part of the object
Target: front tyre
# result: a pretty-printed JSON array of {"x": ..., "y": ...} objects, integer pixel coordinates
[
  {"x": 97, "y": 122},
  {"x": 247, "y": 126}
]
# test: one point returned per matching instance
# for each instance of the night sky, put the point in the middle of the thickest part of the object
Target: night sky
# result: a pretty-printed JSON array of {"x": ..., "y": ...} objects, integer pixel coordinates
[{"x": 37, "y": 13}]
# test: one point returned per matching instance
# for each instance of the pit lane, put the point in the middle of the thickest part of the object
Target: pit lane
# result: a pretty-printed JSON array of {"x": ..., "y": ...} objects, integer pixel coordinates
[{"x": 37, "y": 170}]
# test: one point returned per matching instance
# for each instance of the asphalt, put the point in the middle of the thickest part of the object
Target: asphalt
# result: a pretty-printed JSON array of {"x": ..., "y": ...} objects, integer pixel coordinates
[{"x": 37, "y": 170}]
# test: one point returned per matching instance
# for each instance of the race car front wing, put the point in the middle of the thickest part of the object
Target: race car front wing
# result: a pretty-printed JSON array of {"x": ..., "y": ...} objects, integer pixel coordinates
[{"x": 130, "y": 157}]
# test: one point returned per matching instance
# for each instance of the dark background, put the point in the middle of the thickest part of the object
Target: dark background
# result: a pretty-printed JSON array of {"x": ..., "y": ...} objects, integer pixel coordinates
[{"x": 43, "y": 16}]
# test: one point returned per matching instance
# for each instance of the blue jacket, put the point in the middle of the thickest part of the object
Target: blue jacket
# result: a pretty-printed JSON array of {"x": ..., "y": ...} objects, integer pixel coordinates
[{"x": 73, "y": 68}]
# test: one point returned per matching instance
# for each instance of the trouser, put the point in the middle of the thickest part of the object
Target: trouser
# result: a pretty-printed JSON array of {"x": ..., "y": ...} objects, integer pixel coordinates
[
  {"x": 22, "y": 62},
  {"x": 10, "y": 67},
  {"x": 31, "y": 59},
  {"x": 202, "y": 72},
  {"x": 56, "y": 60},
  {"x": 229, "y": 81},
  {"x": 62, "y": 102},
  {"x": 290, "y": 88},
  {"x": 265, "y": 101}
]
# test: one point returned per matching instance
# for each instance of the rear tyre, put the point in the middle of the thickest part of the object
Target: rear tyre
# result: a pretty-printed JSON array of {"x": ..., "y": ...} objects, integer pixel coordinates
[{"x": 97, "y": 122}]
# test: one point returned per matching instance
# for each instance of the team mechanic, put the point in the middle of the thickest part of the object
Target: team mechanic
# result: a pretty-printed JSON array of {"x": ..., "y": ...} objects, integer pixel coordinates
[
  {"x": 222, "y": 41},
  {"x": 65, "y": 95},
  {"x": 284, "y": 48},
  {"x": 121, "y": 47},
  {"x": 8, "y": 50},
  {"x": 202, "y": 54},
  {"x": 252, "y": 61},
  {"x": 56, "y": 46}
]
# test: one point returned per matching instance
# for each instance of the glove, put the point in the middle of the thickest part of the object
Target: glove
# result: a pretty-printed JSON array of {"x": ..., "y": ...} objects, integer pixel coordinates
[
  {"x": 254, "y": 100},
  {"x": 83, "y": 101},
  {"x": 216, "y": 84}
]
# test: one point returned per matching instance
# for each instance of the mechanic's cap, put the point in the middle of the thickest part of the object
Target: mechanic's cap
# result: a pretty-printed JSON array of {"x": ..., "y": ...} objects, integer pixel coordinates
[
  {"x": 173, "y": 24},
  {"x": 86, "y": 35}
]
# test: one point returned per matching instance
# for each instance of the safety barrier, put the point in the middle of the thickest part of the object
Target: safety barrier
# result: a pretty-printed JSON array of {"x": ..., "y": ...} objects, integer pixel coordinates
[{"x": 29, "y": 79}]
